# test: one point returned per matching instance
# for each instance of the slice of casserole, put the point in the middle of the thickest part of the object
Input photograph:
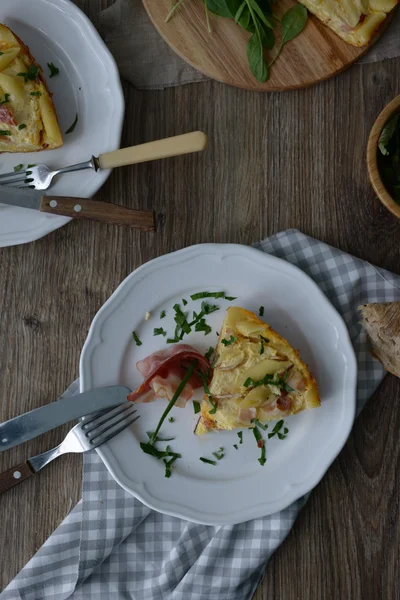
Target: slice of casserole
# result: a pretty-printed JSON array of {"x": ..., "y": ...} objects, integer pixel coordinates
[
  {"x": 257, "y": 375},
  {"x": 355, "y": 21},
  {"x": 28, "y": 120}
]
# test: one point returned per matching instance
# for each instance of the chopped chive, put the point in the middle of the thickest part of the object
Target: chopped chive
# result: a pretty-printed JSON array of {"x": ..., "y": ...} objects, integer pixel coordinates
[
  {"x": 162, "y": 315},
  {"x": 171, "y": 419},
  {"x": 257, "y": 434},
  {"x": 6, "y": 99},
  {"x": 202, "y": 326},
  {"x": 276, "y": 429},
  {"x": 149, "y": 448},
  {"x": 5, "y": 132},
  {"x": 262, "y": 347},
  {"x": 196, "y": 407},
  {"x": 53, "y": 70},
  {"x": 31, "y": 73},
  {"x": 218, "y": 455},
  {"x": 240, "y": 436},
  {"x": 236, "y": 446},
  {"x": 261, "y": 311},
  {"x": 229, "y": 342},
  {"x": 286, "y": 430},
  {"x": 207, "y": 391},
  {"x": 29, "y": 166},
  {"x": 174, "y": 398},
  {"x": 159, "y": 331},
  {"x": 281, "y": 436},
  {"x": 135, "y": 337},
  {"x": 36, "y": 93},
  {"x": 18, "y": 167},
  {"x": 72, "y": 127},
  {"x": 168, "y": 466},
  {"x": 262, "y": 460},
  {"x": 209, "y": 353},
  {"x": 208, "y": 461},
  {"x": 264, "y": 339},
  {"x": 202, "y": 295},
  {"x": 1, "y": 53},
  {"x": 230, "y": 298},
  {"x": 184, "y": 302},
  {"x": 259, "y": 424},
  {"x": 22, "y": 126}
]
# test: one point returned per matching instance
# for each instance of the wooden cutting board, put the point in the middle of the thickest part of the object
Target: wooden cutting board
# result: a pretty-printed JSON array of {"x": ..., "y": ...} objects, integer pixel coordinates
[{"x": 316, "y": 54}]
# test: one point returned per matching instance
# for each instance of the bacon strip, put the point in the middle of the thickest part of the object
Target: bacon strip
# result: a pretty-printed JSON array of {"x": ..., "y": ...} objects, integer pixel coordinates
[
  {"x": 164, "y": 370},
  {"x": 6, "y": 116}
]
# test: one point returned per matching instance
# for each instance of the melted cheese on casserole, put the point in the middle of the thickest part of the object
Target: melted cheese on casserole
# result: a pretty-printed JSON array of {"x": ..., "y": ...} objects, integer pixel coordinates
[
  {"x": 27, "y": 116},
  {"x": 256, "y": 351},
  {"x": 355, "y": 21}
]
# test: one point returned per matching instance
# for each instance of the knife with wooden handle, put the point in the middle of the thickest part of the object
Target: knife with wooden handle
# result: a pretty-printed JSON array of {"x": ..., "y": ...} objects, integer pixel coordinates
[{"x": 79, "y": 208}]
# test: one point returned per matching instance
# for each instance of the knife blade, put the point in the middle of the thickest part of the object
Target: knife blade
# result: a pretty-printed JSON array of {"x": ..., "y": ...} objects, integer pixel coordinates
[
  {"x": 78, "y": 208},
  {"x": 38, "y": 421}
]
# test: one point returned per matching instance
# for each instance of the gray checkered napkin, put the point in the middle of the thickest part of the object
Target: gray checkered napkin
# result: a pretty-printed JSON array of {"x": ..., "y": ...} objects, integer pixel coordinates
[{"x": 111, "y": 546}]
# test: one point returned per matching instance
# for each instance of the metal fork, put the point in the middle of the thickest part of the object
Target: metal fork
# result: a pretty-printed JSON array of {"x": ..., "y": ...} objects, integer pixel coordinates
[
  {"x": 90, "y": 433},
  {"x": 40, "y": 176}
]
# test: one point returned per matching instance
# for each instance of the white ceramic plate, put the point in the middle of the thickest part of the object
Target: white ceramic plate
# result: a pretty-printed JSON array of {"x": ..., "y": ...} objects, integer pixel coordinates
[
  {"x": 88, "y": 84},
  {"x": 238, "y": 488}
]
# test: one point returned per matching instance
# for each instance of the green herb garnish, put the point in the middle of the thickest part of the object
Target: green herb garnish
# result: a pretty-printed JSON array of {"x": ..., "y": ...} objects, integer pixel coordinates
[
  {"x": 207, "y": 391},
  {"x": 262, "y": 347},
  {"x": 36, "y": 93},
  {"x": 261, "y": 311},
  {"x": 256, "y": 17},
  {"x": 277, "y": 429},
  {"x": 220, "y": 454},
  {"x": 240, "y": 436},
  {"x": 174, "y": 398},
  {"x": 171, "y": 420},
  {"x": 72, "y": 127},
  {"x": 18, "y": 167},
  {"x": 5, "y": 132},
  {"x": 158, "y": 439},
  {"x": 208, "y": 461},
  {"x": 209, "y": 353},
  {"x": 184, "y": 302},
  {"x": 259, "y": 424},
  {"x": 53, "y": 70},
  {"x": 135, "y": 337},
  {"x": 389, "y": 157},
  {"x": 196, "y": 407},
  {"x": 269, "y": 379},
  {"x": 262, "y": 460},
  {"x": 201, "y": 325},
  {"x": 149, "y": 448},
  {"x": 162, "y": 315},
  {"x": 168, "y": 466},
  {"x": 159, "y": 331},
  {"x": 22, "y": 126},
  {"x": 229, "y": 342},
  {"x": 256, "y": 433},
  {"x": 1, "y": 53},
  {"x": 6, "y": 99},
  {"x": 31, "y": 74},
  {"x": 202, "y": 295},
  {"x": 236, "y": 446}
]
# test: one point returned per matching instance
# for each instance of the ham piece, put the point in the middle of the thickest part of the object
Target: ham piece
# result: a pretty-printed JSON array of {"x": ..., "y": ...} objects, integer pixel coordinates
[
  {"x": 164, "y": 370},
  {"x": 6, "y": 116}
]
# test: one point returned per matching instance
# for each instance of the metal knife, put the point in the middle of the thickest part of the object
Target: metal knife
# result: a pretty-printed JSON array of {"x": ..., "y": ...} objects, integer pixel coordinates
[
  {"x": 78, "y": 208},
  {"x": 38, "y": 421}
]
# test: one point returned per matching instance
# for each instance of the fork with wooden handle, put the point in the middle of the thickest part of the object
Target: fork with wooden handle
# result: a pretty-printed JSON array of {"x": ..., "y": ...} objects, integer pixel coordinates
[
  {"x": 90, "y": 433},
  {"x": 40, "y": 176}
]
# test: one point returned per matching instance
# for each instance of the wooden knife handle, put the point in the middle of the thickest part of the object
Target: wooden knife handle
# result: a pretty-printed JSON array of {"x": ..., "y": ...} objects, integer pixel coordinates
[
  {"x": 105, "y": 212},
  {"x": 15, "y": 475},
  {"x": 173, "y": 146}
]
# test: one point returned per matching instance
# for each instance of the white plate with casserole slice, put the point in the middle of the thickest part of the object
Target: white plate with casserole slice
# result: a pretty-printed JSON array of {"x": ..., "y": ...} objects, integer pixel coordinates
[
  {"x": 237, "y": 488},
  {"x": 87, "y": 85}
]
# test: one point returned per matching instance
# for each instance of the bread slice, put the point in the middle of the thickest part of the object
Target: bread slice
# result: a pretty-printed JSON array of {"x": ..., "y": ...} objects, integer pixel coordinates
[
  {"x": 257, "y": 375},
  {"x": 355, "y": 21},
  {"x": 382, "y": 322},
  {"x": 28, "y": 120}
]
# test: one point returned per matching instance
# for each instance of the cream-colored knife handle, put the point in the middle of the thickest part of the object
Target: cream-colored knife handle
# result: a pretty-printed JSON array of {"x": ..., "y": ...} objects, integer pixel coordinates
[{"x": 173, "y": 146}]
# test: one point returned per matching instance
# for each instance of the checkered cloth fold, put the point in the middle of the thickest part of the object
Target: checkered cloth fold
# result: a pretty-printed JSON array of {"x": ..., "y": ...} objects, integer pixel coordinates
[{"x": 111, "y": 546}]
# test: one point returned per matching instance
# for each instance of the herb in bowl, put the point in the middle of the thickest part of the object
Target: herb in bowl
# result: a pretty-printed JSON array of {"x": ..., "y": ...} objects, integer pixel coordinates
[{"x": 389, "y": 157}]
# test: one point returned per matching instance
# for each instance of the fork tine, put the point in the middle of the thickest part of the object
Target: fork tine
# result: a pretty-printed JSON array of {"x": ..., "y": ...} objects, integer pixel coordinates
[
  {"x": 104, "y": 416},
  {"x": 97, "y": 429},
  {"x": 125, "y": 424},
  {"x": 15, "y": 181},
  {"x": 14, "y": 174}
]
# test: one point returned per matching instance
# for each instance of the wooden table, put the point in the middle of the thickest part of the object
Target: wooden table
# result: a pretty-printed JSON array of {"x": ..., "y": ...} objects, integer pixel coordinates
[{"x": 274, "y": 161}]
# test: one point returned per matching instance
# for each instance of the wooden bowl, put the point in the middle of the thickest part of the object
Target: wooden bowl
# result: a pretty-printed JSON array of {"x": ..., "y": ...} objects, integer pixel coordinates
[{"x": 372, "y": 157}]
